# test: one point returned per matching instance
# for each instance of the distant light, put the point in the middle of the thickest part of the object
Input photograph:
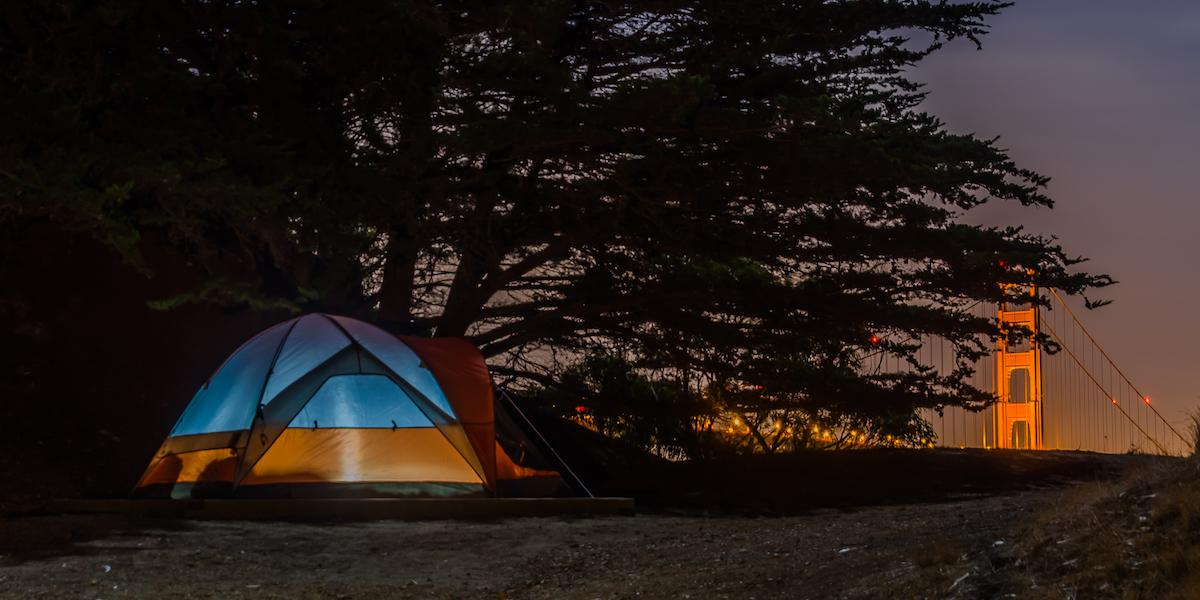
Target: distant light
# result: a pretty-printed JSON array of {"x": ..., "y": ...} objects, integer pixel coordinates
[
  {"x": 1147, "y": 399},
  {"x": 581, "y": 409},
  {"x": 1114, "y": 401},
  {"x": 874, "y": 339}
]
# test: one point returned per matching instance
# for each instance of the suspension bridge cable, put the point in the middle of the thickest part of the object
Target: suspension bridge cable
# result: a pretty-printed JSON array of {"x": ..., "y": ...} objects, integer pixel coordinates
[
  {"x": 1114, "y": 365},
  {"x": 1100, "y": 387},
  {"x": 1152, "y": 440}
]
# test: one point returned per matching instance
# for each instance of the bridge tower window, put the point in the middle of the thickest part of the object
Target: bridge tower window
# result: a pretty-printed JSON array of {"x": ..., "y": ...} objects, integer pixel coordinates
[{"x": 1018, "y": 386}]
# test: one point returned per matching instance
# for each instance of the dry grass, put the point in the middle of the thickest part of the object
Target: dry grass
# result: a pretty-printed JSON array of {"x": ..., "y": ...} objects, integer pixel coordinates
[
  {"x": 941, "y": 553},
  {"x": 936, "y": 567},
  {"x": 1138, "y": 537}
]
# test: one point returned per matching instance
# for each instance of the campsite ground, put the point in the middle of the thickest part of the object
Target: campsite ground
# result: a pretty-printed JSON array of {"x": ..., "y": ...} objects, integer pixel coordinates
[{"x": 978, "y": 544}]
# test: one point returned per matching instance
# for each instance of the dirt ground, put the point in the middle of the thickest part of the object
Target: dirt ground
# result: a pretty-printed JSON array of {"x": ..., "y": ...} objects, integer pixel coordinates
[
  {"x": 946, "y": 549},
  {"x": 945, "y": 524}
]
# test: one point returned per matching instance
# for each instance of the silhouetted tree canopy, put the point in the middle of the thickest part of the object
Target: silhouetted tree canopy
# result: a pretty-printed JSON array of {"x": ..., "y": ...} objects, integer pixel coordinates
[{"x": 744, "y": 190}]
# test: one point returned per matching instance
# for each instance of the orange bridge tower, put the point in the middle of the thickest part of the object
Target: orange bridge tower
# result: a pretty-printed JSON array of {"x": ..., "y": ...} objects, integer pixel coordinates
[{"x": 1017, "y": 417}]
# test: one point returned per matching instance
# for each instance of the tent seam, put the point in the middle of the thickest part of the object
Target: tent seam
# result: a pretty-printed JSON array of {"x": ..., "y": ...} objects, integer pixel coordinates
[
  {"x": 250, "y": 437},
  {"x": 416, "y": 394},
  {"x": 262, "y": 391}
]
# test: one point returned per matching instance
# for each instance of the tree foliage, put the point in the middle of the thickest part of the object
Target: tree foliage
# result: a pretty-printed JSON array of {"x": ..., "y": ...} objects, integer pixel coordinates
[
  {"x": 611, "y": 396},
  {"x": 739, "y": 192}
]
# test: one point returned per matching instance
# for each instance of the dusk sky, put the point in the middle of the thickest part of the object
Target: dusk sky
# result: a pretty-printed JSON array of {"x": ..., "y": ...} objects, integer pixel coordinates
[{"x": 1101, "y": 96}]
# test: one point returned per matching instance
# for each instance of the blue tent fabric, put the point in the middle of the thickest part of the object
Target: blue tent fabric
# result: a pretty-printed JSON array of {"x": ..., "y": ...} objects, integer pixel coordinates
[
  {"x": 268, "y": 363},
  {"x": 399, "y": 358},
  {"x": 229, "y": 399},
  {"x": 311, "y": 342},
  {"x": 360, "y": 401}
]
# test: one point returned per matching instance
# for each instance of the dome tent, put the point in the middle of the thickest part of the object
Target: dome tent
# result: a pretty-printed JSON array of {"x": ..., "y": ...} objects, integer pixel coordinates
[{"x": 323, "y": 405}]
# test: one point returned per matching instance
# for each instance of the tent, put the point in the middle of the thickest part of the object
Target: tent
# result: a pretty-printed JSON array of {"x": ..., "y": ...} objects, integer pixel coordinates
[{"x": 328, "y": 406}]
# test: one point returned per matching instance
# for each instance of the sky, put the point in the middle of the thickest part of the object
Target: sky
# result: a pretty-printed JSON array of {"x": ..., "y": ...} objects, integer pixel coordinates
[{"x": 1101, "y": 96}]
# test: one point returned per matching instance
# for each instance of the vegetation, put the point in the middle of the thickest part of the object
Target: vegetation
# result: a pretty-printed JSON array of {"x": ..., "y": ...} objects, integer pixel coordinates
[
  {"x": 1134, "y": 538},
  {"x": 609, "y": 395},
  {"x": 739, "y": 199}
]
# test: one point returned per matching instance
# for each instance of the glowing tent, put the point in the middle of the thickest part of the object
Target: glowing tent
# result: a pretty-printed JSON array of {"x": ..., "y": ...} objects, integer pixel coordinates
[{"x": 323, "y": 405}]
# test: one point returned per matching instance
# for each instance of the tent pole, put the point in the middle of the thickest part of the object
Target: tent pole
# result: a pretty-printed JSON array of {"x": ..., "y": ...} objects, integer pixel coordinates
[{"x": 563, "y": 463}]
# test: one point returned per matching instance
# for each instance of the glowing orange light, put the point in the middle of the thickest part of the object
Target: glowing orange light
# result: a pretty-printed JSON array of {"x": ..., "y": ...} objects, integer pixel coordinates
[
  {"x": 874, "y": 339},
  {"x": 1114, "y": 401},
  {"x": 1147, "y": 399}
]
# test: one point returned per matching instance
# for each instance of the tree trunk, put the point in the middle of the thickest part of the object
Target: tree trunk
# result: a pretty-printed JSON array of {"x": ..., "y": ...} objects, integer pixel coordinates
[
  {"x": 462, "y": 304},
  {"x": 395, "y": 295}
]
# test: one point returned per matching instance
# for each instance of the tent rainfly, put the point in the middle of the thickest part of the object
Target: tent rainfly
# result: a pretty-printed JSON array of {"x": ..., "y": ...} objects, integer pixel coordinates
[{"x": 328, "y": 406}]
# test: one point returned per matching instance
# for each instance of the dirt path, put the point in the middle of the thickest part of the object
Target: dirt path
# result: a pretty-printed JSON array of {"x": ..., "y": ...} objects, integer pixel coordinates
[{"x": 887, "y": 551}]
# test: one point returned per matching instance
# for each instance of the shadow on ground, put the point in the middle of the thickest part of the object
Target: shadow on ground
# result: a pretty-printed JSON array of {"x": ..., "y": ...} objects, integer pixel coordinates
[
  {"x": 29, "y": 537},
  {"x": 787, "y": 484}
]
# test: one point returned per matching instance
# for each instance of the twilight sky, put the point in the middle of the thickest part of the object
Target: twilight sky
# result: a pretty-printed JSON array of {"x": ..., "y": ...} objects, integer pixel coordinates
[{"x": 1101, "y": 96}]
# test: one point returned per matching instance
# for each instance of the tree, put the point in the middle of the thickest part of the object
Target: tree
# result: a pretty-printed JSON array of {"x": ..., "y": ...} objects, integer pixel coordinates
[{"x": 744, "y": 190}]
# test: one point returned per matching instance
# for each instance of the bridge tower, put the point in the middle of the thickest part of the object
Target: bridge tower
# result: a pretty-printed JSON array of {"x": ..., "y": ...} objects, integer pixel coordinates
[{"x": 1017, "y": 415}]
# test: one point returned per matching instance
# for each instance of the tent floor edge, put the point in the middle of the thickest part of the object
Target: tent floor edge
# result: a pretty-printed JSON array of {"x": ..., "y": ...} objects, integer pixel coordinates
[
  {"x": 350, "y": 509},
  {"x": 310, "y": 491}
]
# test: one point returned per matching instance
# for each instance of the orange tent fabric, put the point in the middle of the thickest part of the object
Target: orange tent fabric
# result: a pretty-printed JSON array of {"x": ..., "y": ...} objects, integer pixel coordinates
[
  {"x": 361, "y": 455},
  {"x": 463, "y": 375},
  {"x": 200, "y": 466},
  {"x": 507, "y": 468}
]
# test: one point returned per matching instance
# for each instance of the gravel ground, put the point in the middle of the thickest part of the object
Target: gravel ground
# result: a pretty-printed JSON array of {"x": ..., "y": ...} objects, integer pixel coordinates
[{"x": 945, "y": 549}]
